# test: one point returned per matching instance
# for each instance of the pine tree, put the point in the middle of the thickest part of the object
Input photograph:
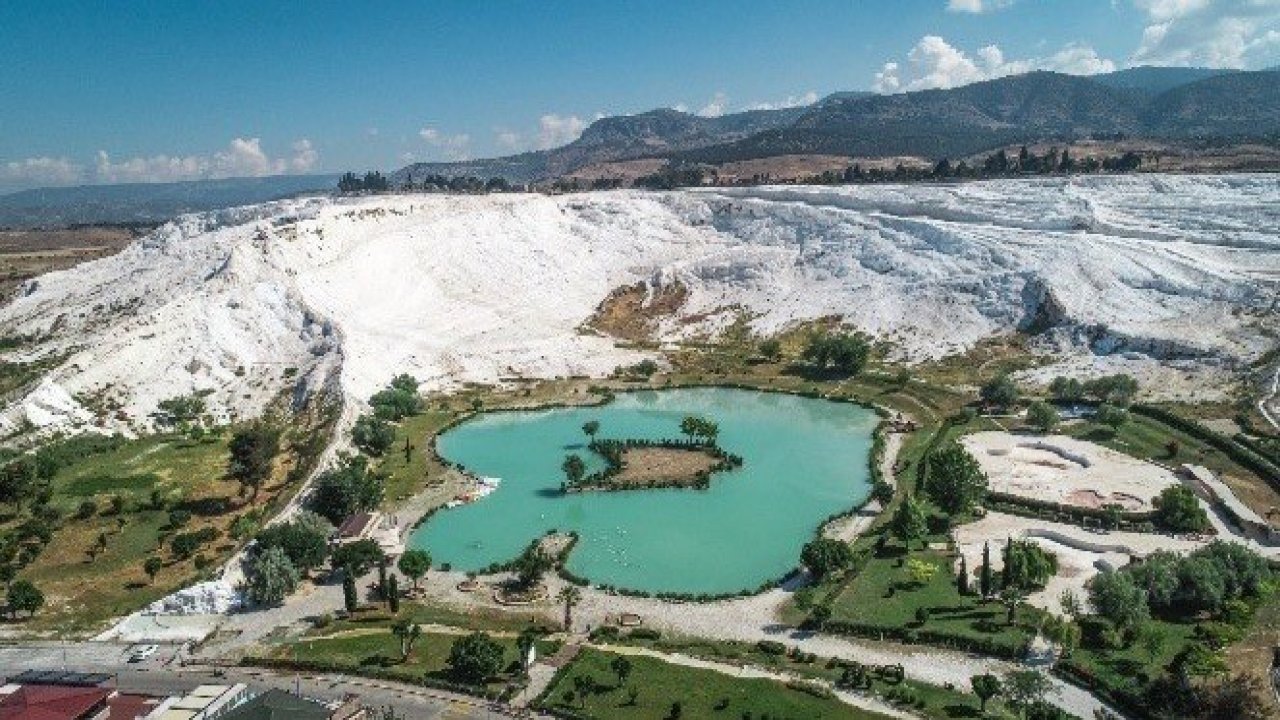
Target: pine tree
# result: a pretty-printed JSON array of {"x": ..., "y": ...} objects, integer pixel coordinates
[
  {"x": 962, "y": 578},
  {"x": 985, "y": 574}
]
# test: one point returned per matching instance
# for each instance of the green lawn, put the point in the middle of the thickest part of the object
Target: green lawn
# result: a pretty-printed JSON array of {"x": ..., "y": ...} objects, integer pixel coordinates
[
  {"x": 882, "y": 595},
  {"x": 700, "y": 693},
  {"x": 377, "y": 651},
  {"x": 1132, "y": 668},
  {"x": 407, "y": 475}
]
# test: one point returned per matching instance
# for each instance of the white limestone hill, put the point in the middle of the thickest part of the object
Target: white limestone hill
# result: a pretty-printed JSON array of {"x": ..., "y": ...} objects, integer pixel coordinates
[{"x": 1168, "y": 273}]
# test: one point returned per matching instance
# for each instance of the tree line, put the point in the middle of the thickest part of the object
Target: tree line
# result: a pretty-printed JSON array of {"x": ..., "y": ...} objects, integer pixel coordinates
[{"x": 374, "y": 181}]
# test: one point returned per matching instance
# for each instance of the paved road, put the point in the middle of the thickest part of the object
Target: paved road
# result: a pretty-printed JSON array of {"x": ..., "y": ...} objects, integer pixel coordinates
[{"x": 162, "y": 675}]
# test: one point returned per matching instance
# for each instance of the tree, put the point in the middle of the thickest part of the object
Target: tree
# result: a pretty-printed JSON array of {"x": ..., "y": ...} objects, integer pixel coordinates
[
  {"x": 843, "y": 352},
  {"x": 525, "y": 642},
  {"x": 356, "y": 558},
  {"x": 921, "y": 571},
  {"x": 570, "y": 595},
  {"x": 955, "y": 481},
  {"x": 393, "y": 594},
  {"x": 962, "y": 578},
  {"x": 1027, "y": 565},
  {"x": 372, "y": 435},
  {"x": 1116, "y": 597},
  {"x": 621, "y": 667},
  {"x": 304, "y": 539},
  {"x": 1042, "y": 416},
  {"x": 24, "y": 596},
  {"x": 574, "y": 469},
  {"x": 908, "y": 521},
  {"x": 1067, "y": 389},
  {"x": 985, "y": 576},
  {"x": 1113, "y": 389},
  {"x": 1011, "y": 596},
  {"x": 771, "y": 349},
  {"x": 350, "y": 597},
  {"x": 475, "y": 658},
  {"x": 151, "y": 566},
  {"x": 1178, "y": 510},
  {"x": 985, "y": 686},
  {"x": 1151, "y": 640},
  {"x": 349, "y": 488},
  {"x": 826, "y": 555},
  {"x": 1000, "y": 392},
  {"x": 590, "y": 428},
  {"x": 1070, "y": 604},
  {"x": 270, "y": 577},
  {"x": 415, "y": 564},
  {"x": 882, "y": 492},
  {"x": 253, "y": 451},
  {"x": 1024, "y": 688},
  {"x": 1111, "y": 416},
  {"x": 408, "y": 634}
]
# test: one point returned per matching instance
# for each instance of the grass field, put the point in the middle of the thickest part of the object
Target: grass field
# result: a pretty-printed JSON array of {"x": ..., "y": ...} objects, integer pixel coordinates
[
  {"x": 377, "y": 649},
  {"x": 700, "y": 694},
  {"x": 410, "y": 472}
]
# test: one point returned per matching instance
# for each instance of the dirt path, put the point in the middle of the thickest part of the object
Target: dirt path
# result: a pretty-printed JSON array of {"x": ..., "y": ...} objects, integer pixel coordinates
[{"x": 1271, "y": 396}]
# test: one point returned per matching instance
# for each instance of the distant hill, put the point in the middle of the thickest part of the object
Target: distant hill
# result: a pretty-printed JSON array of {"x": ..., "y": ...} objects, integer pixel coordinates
[
  {"x": 624, "y": 137},
  {"x": 1156, "y": 80},
  {"x": 1142, "y": 102},
  {"x": 1021, "y": 108},
  {"x": 147, "y": 202}
]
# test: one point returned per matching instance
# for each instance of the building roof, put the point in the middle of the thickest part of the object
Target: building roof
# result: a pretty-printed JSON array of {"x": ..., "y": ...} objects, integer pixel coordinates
[
  {"x": 59, "y": 677},
  {"x": 278, "y": 705},
  {"x": 130, "y": 707},
  {"x": 52, "y": 702},
  {"x": 356, "y": 525}
]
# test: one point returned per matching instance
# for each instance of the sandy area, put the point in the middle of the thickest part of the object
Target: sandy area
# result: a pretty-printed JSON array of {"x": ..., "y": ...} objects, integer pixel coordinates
[{"x": 1065, "y": 470}]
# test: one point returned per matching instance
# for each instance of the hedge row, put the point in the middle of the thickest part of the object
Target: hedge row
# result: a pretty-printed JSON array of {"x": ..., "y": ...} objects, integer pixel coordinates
[
  {"x": 1128, "y": 702},
  {"x": 914, "y": 636},
  {"x": 370, "y": 672}
]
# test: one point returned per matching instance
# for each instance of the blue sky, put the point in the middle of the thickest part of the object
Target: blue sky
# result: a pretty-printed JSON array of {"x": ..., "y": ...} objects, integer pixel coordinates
[{"x": 149, "y": 91}]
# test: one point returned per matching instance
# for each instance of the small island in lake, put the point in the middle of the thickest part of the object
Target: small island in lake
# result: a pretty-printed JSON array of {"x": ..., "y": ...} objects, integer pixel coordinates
[{"x": 635, "y": 464}]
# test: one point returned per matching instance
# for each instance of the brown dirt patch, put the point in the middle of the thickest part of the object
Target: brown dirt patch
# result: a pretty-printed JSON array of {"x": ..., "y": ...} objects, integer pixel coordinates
[
  {"x": 644, "y": 467},
  {"x": 25, "y": 254},
  {"x": 632, "y": 312}
]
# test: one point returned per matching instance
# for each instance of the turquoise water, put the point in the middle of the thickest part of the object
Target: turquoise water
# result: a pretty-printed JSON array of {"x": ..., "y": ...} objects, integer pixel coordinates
[{"x": 803, "y": 460}]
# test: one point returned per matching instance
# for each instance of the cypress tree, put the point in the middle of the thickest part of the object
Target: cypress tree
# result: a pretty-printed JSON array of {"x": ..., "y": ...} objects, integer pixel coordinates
[
  {"x": 962, "y": 579},
  {"x": 349, "y": 596},
  {"x": 382, "y": 579},
  {"x": 984, "y": 578},
  {"x": 393, "y": 594}
]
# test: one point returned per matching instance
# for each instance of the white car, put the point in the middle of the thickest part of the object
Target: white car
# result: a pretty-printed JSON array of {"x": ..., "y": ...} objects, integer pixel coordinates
[{"x": 143, "y": 652}]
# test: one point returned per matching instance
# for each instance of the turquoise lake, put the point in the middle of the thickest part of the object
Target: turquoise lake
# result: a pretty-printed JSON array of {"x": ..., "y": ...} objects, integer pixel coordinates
[{"x": 804, "y": 459}]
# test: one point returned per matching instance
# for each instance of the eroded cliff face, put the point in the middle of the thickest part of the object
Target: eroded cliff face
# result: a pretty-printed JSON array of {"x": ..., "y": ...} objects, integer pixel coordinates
[{"x": 1136, "y": 271}]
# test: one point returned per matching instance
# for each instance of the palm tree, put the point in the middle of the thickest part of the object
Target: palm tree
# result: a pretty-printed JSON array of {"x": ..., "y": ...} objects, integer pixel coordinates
[
  {"x": 570, "y": 595},
  {"x": 408, "y": 633},
  {"x": 590, "y": 428}
]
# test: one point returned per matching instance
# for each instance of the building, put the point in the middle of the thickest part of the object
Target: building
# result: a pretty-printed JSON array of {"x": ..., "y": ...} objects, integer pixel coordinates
[
  {"x": 206, "y": 702},
  {"x": 360, "y": 526},
  {"x": 280, "y": 705},
  {"x": 53, "y": 702}
]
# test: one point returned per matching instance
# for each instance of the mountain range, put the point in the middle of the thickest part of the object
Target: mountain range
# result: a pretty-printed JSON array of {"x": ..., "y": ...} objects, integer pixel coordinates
[{"x": 1145, "y": 102}]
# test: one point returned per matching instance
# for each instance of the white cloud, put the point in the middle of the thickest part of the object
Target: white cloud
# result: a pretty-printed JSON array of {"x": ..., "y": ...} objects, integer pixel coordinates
[
  {"x": 243, "y": 157},
  {"x": 1228, "y": 33},
  {"x": 40, "y": 172},
  {"x": 790, "y": 101},
  {"x": 935, "y": 63},
  {"x": 976, "y": 7},
  {"x": 715, "y": 106},
  {"x": 454, "y": 147},
  {"x": 556, "y": 130}
]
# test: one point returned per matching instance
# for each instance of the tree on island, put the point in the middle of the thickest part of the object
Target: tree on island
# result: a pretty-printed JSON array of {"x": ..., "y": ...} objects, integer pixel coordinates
[
  {"x": 590, "y": 428},
  {"x": 574, "y": 469},
  {"x": 696, "y": 428}
]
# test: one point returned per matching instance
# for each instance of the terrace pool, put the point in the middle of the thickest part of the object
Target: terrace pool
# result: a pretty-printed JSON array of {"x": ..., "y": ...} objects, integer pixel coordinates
[{"x": 804, "y": 460}]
